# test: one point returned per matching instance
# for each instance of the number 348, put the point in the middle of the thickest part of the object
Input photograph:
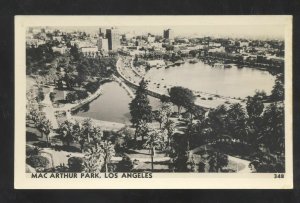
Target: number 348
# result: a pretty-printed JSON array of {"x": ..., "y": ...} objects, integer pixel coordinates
[{"x": 280, "y": 175}]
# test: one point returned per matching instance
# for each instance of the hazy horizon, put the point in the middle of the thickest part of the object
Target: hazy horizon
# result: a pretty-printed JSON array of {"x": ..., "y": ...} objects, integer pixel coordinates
[{"x": 230, "y": 31}]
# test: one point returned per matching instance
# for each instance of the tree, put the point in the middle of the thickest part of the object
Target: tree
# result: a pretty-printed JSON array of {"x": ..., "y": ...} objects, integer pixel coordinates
[
  {"x": 82, "y": 94},
  {"x": 272, "y": 134},
  {"x": 181, "y": 97},
  {"x": 37, "y": 161},
  {"x": 67, "y": 131},
  {"x": 52, "y": 96},
  {"x": 217, "y": 161},
  {"x": 254, "y": 107},
  {"x": 267, "y": 163},
  {"x": 40, "y": 95},
  {"x": 75, "y": 164},
  {"x": 164, "y": 98},
  {"x": 196, "y": 111},
  {"x": 178, "y": 153},
  {"x": 99, "y": 154},
  {"x": 44, "y": 126},
  {"x": 140, "y": 109},
  {"x": 93, "y": 133},
  {"x": 93, "y": 159},
  {"x": 108, "y": 152},
  {"x": 163, "y": 114},
  {"x": 71, "y": 97},
  {"x": 74, "y": 52},
  {"x": 278, "y": 89},
  {"x": 125, "y": 165},
  {"x": 142, "y": 129},
  {"x": 170, "y": 128},
  {"x": 154, "y": 140},
  {"x": 86, "y": 133},
  {"x": 236, "y": 122},
  {"x": 92, "y": 87}
]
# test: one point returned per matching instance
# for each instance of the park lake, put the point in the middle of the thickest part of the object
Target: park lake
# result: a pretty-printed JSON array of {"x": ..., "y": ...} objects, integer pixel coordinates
[{"x": 113, "y": 104}]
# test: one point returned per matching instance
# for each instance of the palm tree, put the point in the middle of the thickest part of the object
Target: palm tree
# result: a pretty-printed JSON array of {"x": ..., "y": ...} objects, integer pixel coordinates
[
  {"x": 170, "y": 128},
  {"x": 108, "y": 153},
  {"x": 98, "y": 154},
  {"x": 86, "y": 133},
  {"x": 142, "y": 129},
  {"x": 93, "y": 159},
  {"x": 87, "y": 128},
  {"x": 154, "y": 141}
]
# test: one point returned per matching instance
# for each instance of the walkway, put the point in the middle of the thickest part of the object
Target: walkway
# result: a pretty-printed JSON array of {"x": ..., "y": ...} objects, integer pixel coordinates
[{"x": 124, "y": 86}]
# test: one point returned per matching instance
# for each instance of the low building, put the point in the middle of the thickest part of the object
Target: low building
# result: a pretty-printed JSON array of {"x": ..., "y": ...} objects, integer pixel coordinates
[
  {"x": 61, "y": 50},
  {"x": 213, "y": 50},
  {"x": 214, "y": 44},
  {"x": 150, "y": 38},
  {"x": 34, "y": 42},
  {"x": 89, "y": 51}
]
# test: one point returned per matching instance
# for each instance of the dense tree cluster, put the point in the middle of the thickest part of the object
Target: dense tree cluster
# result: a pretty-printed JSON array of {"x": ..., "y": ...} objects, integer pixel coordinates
[
  {"x": 76, "y": 95},
  {"x": 140, "y": 109},
  {"x": 181, "y": 97},
  {"x": 38, "y": 57}
]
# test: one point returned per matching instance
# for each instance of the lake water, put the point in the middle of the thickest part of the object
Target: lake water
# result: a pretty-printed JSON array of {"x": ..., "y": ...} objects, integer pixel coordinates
[
  {"x": 233, "y": 82},
  {"x": 113, "y": 104}
]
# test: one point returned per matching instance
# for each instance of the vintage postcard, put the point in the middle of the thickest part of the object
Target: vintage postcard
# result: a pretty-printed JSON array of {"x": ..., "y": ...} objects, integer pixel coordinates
[{"x": 153, "y": 102}]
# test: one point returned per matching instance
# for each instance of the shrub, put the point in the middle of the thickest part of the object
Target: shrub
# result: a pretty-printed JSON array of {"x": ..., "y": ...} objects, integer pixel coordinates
[
  {"x": 52, "y": 96},
  {"x": 41, "y": 144},
  {"x": 125, "y": 165},
  {"x": 37, "y": 161},
  {"x": 185, "y": 115},
  {"x": 40, "y": 95},
  {"x": 92, "y": 87},
  {"x": 75, "y": 164},
  {"x": 31, "y": 151}
]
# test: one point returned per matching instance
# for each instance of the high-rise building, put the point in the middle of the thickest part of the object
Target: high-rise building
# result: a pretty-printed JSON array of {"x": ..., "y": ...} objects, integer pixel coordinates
[
  {"x": 113, "y": 37},
  {"x": 101, "y": 34},
  {"x": 102, "y": 42},
  {"x": 169, "y": 34}
]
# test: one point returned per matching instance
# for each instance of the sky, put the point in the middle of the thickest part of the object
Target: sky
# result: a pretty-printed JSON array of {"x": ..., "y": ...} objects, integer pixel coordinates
[{"x": 234, "y": 31}]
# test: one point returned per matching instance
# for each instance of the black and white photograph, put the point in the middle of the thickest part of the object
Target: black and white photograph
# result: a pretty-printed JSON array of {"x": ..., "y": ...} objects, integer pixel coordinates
[{"x": 153, "y": 97}]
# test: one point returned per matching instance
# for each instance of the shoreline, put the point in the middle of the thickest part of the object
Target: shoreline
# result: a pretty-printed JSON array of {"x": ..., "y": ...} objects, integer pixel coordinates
[{"x": 104, "y": 125}]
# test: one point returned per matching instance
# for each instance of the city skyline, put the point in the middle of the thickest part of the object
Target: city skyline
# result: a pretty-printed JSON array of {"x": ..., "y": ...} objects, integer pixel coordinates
[{"x": 228, "y": 31}]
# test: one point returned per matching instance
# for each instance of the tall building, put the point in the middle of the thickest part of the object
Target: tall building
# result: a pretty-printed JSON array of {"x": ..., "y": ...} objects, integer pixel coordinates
[
  {"x": 102, "y": 42},
  {"x": 113, "y": 37},
  {"x": 101, "y": 34},
  {"x": 169, "y": 34}
]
